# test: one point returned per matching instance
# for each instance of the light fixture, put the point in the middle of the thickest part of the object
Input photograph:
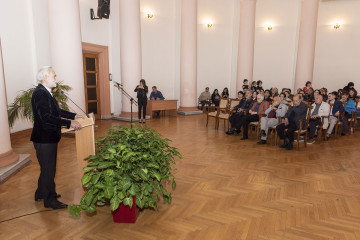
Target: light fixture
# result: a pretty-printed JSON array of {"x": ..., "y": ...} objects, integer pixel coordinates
[
  {"x": 337, "y": 25},
  {"x": 149, "y": 13},
  {"x": 208, "y": 23},
  {"x": 268, "y": 26}
]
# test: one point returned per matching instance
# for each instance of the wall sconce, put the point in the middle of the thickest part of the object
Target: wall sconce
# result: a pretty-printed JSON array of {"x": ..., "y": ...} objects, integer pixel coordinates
[
  {"x": 269, "y": 26},
  {"x": 149, "y": 13},
  {"x": 337, "y": 25},
  {"x": 208, "y": 23}
]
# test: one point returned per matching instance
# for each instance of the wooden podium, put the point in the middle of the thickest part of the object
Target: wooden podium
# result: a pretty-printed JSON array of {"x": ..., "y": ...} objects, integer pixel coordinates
[{"x": 85, "y": 145}]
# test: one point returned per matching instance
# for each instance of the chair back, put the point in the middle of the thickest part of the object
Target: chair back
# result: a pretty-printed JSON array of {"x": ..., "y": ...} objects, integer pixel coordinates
[
  {"x": 234, "y": 102},
  {"x": 223, "y": 103}
]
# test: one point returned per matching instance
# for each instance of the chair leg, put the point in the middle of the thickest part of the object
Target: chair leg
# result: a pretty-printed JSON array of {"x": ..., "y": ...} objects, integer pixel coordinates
[
  {"x": 305, "y": 139},
  {"x": 207, "y": 120}
]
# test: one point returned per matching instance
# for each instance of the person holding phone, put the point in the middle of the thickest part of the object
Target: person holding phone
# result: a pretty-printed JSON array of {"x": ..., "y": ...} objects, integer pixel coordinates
[{"x": 142, "y": 91}]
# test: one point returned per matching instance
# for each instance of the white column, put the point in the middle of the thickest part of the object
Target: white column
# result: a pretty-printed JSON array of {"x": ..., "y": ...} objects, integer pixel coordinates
[
  {"x": 307, "y": 40},
  {"x": 188, "y": 55},
  {"x": 245, "y": 63},
  {"x": 130, "y": 50},
  {"x": 7, "y": 155},
  {"x": 66, "y": 48}
]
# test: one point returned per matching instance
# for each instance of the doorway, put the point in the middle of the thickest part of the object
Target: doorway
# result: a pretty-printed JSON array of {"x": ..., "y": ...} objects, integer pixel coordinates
[
  {"x": 92, "y": 85},
  {"x": 96, "y": 80}
]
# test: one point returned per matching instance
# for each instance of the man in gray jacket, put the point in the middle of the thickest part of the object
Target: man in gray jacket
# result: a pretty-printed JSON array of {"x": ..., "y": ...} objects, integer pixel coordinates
[
  {"x": 277, "y": 109},
  {"x": 297, "y": 112}
]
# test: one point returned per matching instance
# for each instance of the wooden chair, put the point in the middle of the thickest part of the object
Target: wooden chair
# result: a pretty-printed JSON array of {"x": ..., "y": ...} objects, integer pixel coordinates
[
  {"x": 339, "y": 124},
  {"x": 256, "y": 126},
  {"x": 225, "y": 115},
  {"x": 222, "y": 107},
  {"x": 272, "y": 132},
  {"x": 303, "y": 131}
]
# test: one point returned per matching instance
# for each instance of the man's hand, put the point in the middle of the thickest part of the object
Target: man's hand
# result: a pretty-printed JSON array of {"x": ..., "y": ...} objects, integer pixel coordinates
[
  {"x": 286, "y": 122},
  {"x": 314, "y": 116},
  {"x": 75, "y": 125},
  {"x": 337, "y": 114},
  {"x": 79, "y": 116}
]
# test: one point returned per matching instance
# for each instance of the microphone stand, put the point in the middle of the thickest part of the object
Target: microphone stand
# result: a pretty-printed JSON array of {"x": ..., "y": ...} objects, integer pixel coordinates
[{"x": 132, "y": 100}]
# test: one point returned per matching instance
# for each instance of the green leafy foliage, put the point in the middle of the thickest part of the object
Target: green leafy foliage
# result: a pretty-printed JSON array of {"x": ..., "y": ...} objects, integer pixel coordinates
[
  {"x": 21, "y": 107},
  {"x": 128, "y": 162}
]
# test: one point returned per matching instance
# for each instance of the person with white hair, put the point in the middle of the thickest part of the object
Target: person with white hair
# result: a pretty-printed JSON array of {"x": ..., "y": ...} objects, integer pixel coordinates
[{"x": 46, "y": 133}]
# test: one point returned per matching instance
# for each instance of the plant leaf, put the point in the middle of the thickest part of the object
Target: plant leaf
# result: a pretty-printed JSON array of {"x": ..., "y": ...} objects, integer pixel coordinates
[
  {"x": 108, "y": 191},
  {"x": 114, "y": 203}
]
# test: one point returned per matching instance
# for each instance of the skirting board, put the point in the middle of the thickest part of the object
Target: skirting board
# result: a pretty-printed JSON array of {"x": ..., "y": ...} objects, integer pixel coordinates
[{"x": 6, "y": 172}]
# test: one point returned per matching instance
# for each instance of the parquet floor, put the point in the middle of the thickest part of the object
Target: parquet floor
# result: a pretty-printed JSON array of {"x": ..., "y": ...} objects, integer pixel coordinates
[{"x": 226, "y": 189}]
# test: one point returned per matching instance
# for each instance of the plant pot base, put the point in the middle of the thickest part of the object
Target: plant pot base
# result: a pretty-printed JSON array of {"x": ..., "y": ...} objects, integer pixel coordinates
[{"x": 125, "y": 214}]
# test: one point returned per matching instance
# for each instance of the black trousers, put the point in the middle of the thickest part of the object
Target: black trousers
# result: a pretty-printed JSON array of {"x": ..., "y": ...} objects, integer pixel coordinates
[
  {"x": 236, "y": 120},
  {"x": 46, "y": 154},
  {"x": 345, "y": 122},
  {"x": 248, "y": 119},
  {"x": 142, "y": 106},
  {"x": 312, "y": 125},
  {"x": 204, "y": 102},
  {"x": 291, "y": 128}
]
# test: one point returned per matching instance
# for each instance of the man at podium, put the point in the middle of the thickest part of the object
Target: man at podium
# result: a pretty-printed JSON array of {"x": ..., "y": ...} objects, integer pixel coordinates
[{"x": 46, "y": 133}]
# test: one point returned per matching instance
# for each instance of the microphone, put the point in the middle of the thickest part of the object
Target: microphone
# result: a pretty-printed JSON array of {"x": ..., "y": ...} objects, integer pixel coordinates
[
  {"x": 63, "y": 93},
  {"x": 118, "y": 84}
]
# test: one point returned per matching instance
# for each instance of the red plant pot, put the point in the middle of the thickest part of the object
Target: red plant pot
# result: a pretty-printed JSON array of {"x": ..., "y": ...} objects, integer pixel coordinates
[{"x": 125, "y": 214}]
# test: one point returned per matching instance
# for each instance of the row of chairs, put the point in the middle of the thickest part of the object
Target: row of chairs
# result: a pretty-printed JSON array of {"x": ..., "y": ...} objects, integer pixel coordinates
[{"x": 223, "y": 112}]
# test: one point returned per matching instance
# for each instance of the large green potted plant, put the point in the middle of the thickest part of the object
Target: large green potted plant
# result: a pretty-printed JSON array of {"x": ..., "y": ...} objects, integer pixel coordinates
[
  {"x": 129, "y": 162},
  {"x": 21, "y": 107}
]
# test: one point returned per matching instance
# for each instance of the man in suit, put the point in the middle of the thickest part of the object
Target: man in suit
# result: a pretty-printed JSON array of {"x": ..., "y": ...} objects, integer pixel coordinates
[
  {"x": 48, "y": 120},
  {"x": 297, "y": 111},
  {"x": 319, "y": 109}
]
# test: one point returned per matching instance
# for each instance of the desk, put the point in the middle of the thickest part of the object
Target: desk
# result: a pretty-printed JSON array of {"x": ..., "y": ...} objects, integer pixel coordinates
[{"x": 161, "y": 105}]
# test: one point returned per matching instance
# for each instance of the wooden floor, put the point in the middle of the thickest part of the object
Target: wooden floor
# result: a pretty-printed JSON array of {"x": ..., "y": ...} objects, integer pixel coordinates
[{"x": 226, "y": 189}]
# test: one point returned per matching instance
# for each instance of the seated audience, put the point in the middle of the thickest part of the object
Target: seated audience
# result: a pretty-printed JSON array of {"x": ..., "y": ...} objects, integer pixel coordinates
[
  {"x": 274, "y": 92},
  {"x": 225, "y": 93},
  {"x": 245, "y": 83},
  {"x": 349, "y": 108},
  {"x": 254, "y": 94},
  {"x": 259, "y": 85},
  {"x": 309, "y": 95},
  {"x": 353, "y": 94},
  {"x": 244, "y": 105},
  {"x": 299, "y": 90},
  {"x": 240, "y": 95},
  {"x": 336, "y": 110},
  {"x": 297, "y": 111},
  {"x": 267, "y": 95},
  {"x": 348, "y": 87},
  {"x": 307, "y": 86},
  {"x": 319, "y": 109},
  {"x": 324, "y": 93},
  {"x": 204, "y": 98},
  {"x": 277, "y": 109},
  {"x": 282, "y": 97},
  {"x": 215, "y": 98},
  {"x": 253, "y": 86},
  {"x": 258, "y": 108}
]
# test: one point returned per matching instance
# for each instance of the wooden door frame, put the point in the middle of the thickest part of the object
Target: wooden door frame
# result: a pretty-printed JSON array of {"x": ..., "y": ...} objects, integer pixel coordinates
[{"x": 104, "y": 83}]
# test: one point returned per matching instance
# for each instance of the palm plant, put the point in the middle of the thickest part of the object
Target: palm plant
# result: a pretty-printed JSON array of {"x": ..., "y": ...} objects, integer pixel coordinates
[{"x": 21, "y": 107}]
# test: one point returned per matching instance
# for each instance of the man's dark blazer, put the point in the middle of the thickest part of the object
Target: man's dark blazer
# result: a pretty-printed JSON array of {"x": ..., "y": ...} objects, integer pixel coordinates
[
  {"x": 338, "y": 106},
  {"x": 48, "y": 117},
  {"x": 297, "y": 113}
]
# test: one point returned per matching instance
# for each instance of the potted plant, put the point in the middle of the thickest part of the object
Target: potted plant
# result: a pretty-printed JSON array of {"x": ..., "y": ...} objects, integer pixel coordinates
[
  {"x": 21, "y": 107},
  {"x": 131, "y": 166}
]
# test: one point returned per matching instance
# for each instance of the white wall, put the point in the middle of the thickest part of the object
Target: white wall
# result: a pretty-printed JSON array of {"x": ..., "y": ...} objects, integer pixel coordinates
[
  {"x": 215, "y": 45},
  {"x": 159, "y": 45},
  {"x": 19, "y": 54},
  {"x": 275, "y": 50},
  {"x": 337, "y": 54}
]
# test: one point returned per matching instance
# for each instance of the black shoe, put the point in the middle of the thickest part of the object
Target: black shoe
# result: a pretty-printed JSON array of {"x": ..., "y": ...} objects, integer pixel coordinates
[
  {"x": 262, "y": 133},
  {"x": 285, "y": 144},
  {"x": 237, "y": 131},
  {"x": 261, "y": 142},
  {"x": 56, "y": 205},
  {"x": 229, "y": 132},
  {"x": 343, "y": 134},
  {"x": 39, "y": 199},
  {"x": 289, "y": 146},
  {"x": 244, "y": 138}
]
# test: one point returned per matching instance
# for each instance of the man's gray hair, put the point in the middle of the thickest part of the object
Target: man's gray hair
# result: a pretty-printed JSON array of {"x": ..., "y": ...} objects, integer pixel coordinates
[{"x": 44, "y": 71}]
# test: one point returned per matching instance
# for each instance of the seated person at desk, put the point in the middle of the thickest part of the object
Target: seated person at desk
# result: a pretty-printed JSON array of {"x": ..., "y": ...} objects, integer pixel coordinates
[{"x": 156, "y": 95}]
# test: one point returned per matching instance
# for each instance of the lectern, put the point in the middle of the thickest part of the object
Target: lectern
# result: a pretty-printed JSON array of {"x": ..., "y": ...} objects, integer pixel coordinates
[{"x": 85, "y": 144}]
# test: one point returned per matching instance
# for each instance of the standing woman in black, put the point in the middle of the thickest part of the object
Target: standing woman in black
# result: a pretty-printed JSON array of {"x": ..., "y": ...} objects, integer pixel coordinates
[{"x": 142, "y": 91}]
